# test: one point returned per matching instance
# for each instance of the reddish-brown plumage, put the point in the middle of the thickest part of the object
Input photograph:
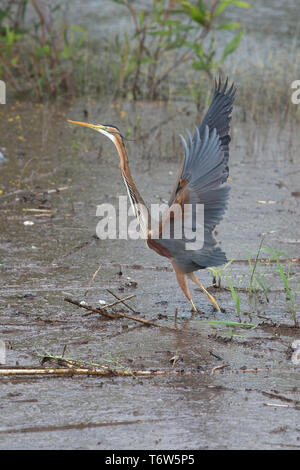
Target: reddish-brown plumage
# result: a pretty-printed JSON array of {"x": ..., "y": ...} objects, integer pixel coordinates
[
  {"x": 159, "y": 249},
  {"x": 203, "y": 169}
]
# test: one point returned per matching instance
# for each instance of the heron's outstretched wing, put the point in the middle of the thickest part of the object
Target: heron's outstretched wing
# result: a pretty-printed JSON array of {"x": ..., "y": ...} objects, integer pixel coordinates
[
  {"x": 218, "y": 116},
  {"x": 203, "y": 172}
]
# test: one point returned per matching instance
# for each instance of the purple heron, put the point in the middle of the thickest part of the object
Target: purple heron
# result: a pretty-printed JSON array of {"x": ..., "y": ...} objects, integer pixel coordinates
[{"x": 202, "y": 179}]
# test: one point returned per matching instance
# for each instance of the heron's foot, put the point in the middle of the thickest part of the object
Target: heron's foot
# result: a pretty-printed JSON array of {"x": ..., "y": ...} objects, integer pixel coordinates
[
  {"x": 213, "y": 301},
  {"x": 195, "y": 309},
  {"x": 211, "y": 298}
]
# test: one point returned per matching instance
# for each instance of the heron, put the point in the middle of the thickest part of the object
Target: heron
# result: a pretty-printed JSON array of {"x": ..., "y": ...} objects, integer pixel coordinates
[{"x": 202, "y": 179}]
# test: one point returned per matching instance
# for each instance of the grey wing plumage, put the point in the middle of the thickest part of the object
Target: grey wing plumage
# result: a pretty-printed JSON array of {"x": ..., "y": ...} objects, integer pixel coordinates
[
  {"x": 218, "y": 116},
  {"x": 204, "y": 170}
]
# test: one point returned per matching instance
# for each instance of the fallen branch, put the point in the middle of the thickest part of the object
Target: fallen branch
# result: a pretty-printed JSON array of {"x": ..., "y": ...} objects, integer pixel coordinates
[
  {"x": 112, "y": 304},
  {"x": 47, "y": 211},
  {"x": 77, "y": 248},
  {"x": 22, "y": 191},
  {"x": 120, "y": 314},
  {"x": 86, "y": 371},
  {"x": 91, "y": 309},
  {"x": 122, "y": 300},
  {"x": 52, "y": 371},
  {"x": 119, "y": 301},
  {"x": 39, "y": 216},
  {"x": 280, "y": 397},
  {"x": 55, "y": 190},
  {"x": 276, "y": 405},
  {"x": 80, "y": 426},
  {"x": 218, "y": 368}
]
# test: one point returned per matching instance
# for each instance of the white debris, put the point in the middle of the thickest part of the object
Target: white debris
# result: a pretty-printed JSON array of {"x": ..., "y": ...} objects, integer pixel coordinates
[
  {"x": 3, "y": 159},
  {"x": 266, "y": 202},
  {"x": 28, "y": 222},
  {"x": 296, "y": 353},
  {"x": 83, "y": 302},
  {"x": 102, "y": 302}
]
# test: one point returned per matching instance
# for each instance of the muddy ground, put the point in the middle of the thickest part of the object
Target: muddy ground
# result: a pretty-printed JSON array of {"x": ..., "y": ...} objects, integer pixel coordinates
[{"x": 252, "y": 400}]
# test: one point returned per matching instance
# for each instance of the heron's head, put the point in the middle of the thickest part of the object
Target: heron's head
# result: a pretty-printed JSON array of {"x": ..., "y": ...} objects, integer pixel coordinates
[{"x": 110, "y": 131}]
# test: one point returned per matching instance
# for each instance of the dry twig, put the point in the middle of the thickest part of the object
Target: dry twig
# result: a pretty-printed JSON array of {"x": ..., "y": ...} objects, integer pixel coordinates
[
  {"x": 119, "y": 301},
  {"x": 52, "y": 371},
  {"x": 85, "y": 371},
  {"x": 120, "y": 314},
  {"x": 91, "y": 309},
  {"x": 92, "y": 280},
  {"x": 122, "y": 301}
]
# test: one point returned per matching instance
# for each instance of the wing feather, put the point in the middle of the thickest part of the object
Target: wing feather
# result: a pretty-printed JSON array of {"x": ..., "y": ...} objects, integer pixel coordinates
[{"x": 203, "y": 171}]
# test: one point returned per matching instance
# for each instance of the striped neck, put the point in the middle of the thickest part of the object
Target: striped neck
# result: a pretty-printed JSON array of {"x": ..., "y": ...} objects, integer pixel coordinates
[{"x": 137, "y": 203}]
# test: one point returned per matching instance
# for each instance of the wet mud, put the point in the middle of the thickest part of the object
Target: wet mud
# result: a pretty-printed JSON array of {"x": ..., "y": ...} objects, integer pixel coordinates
[{"x": 221, "y": 387}]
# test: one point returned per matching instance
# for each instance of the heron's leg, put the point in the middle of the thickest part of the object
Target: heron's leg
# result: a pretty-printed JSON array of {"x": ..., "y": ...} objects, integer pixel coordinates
[
  {"x": 211, "y": 298},
  {"x": 181, "y": 279}
]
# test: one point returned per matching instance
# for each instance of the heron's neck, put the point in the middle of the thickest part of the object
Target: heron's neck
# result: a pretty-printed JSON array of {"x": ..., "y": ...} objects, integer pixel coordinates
[{"x": 133, "y": 193}]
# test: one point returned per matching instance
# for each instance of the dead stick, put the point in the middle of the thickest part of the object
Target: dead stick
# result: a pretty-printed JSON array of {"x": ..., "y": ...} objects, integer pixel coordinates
[
  {"x": 48, "y": 191},
  {"x": 56, "y": 190},
  {"x": 126, "y": 373},
  {"x": 78, "y": 247},
  {"x": 116, "y": 297},
  {"x": 277, "y": 405},
  {"x": 91, "y": 309},
  {"x": 110, "y": 315},
  {"x": 92, "y": 280},
  {"x": 127, "y": 330},
  {"x": 85, "y": 371},
  {"x": 280, "y": 397},
  {"x": 80, "y": 426},
  {"x": 147, "y": 322},
  {"x": 38, "y": 210},
  {"x": 39, "y": 216},
  {"x": 119, "y": 301},
  {"x": 217, "y": 368}
]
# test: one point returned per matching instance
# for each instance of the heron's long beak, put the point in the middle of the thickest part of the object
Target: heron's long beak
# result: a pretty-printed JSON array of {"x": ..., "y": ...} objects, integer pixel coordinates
[{"x": 97, "y": 127}]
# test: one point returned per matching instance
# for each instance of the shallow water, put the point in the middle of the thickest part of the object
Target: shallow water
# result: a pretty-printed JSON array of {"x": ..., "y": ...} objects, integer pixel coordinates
[{"x": 57, "y": 256}]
